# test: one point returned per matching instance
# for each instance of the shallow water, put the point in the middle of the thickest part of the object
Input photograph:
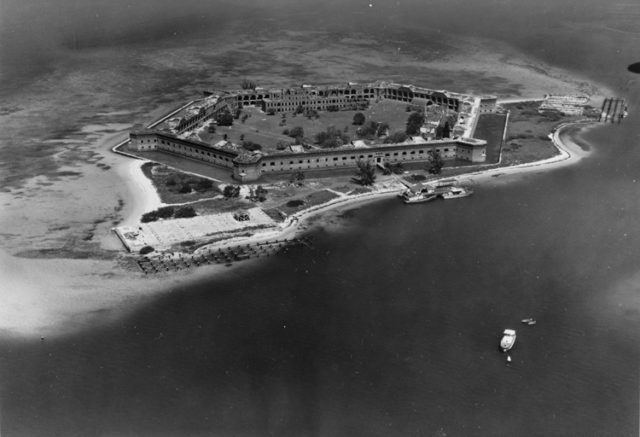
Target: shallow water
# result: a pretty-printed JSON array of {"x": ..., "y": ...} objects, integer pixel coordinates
[{"x": 388, "y": 328}]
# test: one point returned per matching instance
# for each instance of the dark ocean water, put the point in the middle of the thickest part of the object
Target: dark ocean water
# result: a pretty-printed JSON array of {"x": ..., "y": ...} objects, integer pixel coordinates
[{"x": 389, "y": 327}]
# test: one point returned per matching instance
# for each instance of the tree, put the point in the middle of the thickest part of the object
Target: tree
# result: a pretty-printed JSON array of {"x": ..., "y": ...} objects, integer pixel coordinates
[
  {"x": 435, "y": 162},
  {"x": 186, "y": 188},
  {"x": 299, "y": 109},
  {"x": 414, "y": 123},
  {"x": 383, "y": 128},
  {"x": 297, "y": 177},
  {"x": 212, "y": 128},
  {"x": 224, "y": 118},
  {"x": 296, "y": 132},
  {"x": 332, "y": 138},
  {"x": 369, "y": 130},
  {"x": 231, "y": 191},
  {"x": 396, "y": 137},
  {"x": 366, "y": 173},
  {"x": 248, "y": 85},
  {"x": 359, "y": 119},
  {"x": 261, "y": 193},
  {"x": 446, "y": 130}
]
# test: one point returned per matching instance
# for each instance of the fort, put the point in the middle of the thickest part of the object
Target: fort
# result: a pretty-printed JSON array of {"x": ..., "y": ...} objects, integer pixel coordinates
[{"x": 176, "y": 135}]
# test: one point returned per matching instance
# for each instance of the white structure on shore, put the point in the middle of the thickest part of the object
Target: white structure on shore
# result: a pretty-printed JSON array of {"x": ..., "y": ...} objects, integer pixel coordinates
[{"x": 567, "y": 105}]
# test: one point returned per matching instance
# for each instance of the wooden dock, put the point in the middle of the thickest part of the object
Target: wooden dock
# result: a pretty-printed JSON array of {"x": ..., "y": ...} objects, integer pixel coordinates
[{"x": 614, "y": 110}]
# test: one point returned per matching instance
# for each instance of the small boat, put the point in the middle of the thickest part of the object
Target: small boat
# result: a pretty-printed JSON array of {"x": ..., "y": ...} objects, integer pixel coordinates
[
  {"x": 529, "y": 321},
  {"x": 456, "y": 193},
  {"x": 425, "y": 195},
  {"x": 508, "y": 340}
]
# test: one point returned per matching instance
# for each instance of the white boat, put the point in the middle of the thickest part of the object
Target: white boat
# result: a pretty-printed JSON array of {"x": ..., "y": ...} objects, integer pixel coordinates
[
  {"x": 529, "y": 321},
  {"x": 508, "y": 340},
  {"x": 424, "y": 195},
  {"x": 456, "y": 192},
  {"x": 419, "y": 198},
  {"x": 426, "y": 192}
]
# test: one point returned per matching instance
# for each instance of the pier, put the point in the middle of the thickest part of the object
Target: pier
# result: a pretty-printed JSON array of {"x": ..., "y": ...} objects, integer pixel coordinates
[
  {"x": 173, "y": 262},
  {"x": 613, "y": 110}
]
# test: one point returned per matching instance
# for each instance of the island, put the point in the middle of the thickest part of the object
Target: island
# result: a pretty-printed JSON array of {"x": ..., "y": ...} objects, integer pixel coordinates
[{"x": 237, "y": 171}]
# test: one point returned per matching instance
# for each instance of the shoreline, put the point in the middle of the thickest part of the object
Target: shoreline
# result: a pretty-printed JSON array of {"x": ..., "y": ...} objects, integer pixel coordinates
[
  {"x": 145, "y": 197},
  {"x": 50, "y": 297},
  {"x": 570, "y": 153}
]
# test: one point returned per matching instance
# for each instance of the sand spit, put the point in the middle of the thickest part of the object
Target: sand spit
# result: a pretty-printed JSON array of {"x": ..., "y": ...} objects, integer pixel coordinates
[{"x": 143, "y": 196}]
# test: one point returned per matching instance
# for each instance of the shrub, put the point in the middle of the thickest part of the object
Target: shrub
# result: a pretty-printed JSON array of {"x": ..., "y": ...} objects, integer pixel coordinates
[
  {"x": 165, "y": 212},
  {"x": 146, "y": 249},
  {"x": 185, "y": 212},
  {"x": 231, "y": 191},
  {"x": 204, "y": 184},
  {"x": 170, "y": 182},
  {"x": 251, "y": 146},
  {"x": 297, "y": 177},
  {"x": 149, "y": 217},
  {"x": 295, "y": 203},
  {"x": 395, "y": 168},
  {"x": 186, "y": 188}
]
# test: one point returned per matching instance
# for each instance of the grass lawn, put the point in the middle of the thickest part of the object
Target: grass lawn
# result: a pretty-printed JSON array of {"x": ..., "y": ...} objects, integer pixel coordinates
[
  {"x": 169, "y": 183},
  {"x": 312, "y": 199},
  {"x": 490, "y": 128},
  {"x": 266, "y": 130},
  {"x": 527, "y": 133}
]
